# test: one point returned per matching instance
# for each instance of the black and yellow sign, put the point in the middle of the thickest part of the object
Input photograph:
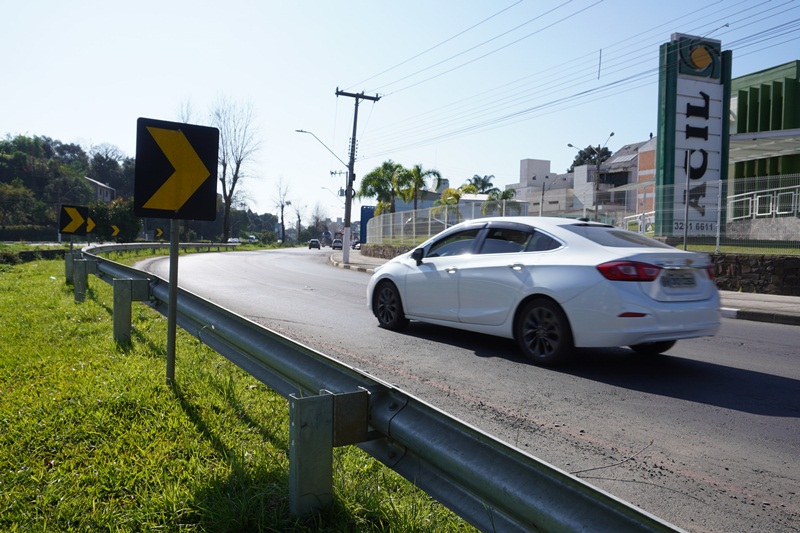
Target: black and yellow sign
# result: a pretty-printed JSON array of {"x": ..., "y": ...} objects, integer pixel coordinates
[
  {"x": 176, "y": 170},
  {"x": 114, "y": 230},
  {"x": 159, "y": 233},
  {"x": 74, "y": 219}
]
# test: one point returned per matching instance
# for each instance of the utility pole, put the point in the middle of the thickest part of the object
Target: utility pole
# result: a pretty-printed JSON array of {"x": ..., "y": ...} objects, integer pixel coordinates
[{"x": 351, "y": 174}]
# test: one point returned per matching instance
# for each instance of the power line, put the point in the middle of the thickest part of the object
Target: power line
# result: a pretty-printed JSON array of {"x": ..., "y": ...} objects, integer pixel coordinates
[
  {"x": 435, "y": 46},
  {"x": 541, "y": 93}
]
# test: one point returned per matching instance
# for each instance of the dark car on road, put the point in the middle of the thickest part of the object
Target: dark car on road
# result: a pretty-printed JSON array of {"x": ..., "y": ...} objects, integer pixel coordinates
[
  {"x": 337, "y": 244},
  {"x": 314, "y": 243}
]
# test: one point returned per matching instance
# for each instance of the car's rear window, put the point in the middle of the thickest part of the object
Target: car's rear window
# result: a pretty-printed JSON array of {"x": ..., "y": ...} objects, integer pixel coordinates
[{"x": 615, "y": 237}]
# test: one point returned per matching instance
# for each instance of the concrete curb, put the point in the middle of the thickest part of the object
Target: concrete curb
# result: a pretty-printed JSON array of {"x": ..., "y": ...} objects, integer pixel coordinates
[
  {"x": 766, "y": 316},
  {"x": 357, "y": 268}
]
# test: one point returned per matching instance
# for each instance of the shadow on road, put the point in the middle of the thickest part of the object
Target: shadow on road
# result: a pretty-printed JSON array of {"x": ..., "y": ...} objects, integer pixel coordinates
[
  {"x": 695, "y": 381},
  {"x": 665, "y": 375}
]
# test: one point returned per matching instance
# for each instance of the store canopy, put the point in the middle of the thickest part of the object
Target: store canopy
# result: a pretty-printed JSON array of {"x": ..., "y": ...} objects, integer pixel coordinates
[
  {"x": 631, "y": 186},
  {"x": 759, "y": 145}
]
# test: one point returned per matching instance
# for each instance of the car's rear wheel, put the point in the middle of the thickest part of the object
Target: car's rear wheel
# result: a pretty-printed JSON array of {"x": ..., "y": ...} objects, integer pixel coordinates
[
  {"x": 652, "y": 348},
  {"x": 543, "y": 333},
  {"x": 388, "y": 307}
]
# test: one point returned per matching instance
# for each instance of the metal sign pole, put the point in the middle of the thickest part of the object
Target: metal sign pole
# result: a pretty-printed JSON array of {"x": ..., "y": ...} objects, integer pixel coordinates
[
  {"x": 172, "y": 308},
  {"x": 686, "y": 167}
]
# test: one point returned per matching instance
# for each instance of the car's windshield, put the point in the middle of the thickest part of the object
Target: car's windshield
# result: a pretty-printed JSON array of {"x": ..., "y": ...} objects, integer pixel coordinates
[{"x": 615, "y": 237}]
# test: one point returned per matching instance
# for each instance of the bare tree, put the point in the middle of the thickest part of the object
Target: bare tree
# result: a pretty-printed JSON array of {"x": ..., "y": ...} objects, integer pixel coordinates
[
  {"x": 298, "y": 213},
  {"x": 318, "y": 216},
  {"x": 281, "y": 203},
  {"x": 237, "y": 144},
  {"x": 186, "y": 112}
]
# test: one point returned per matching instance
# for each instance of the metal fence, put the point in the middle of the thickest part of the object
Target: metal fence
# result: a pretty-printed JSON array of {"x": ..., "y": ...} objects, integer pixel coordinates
[
  {"x": 490, "y": 484},
  {"x": 749, "y": 215}
]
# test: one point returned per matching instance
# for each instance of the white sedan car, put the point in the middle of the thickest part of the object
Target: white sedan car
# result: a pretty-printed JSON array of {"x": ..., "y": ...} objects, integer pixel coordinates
[{"x": 552, "y": 284}]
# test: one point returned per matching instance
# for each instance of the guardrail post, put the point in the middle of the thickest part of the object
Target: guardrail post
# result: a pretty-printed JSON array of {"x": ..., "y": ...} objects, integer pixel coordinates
[
  {"x": 316, "y": 425},
  {"x": 69, "y": 259},
  {"x": 125, "y": 292},
  {"x": 310, "y": 453},
  {"x": 79, "y": 278}
]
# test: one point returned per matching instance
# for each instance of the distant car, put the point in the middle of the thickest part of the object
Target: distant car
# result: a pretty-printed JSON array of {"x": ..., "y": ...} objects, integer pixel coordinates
[
  {"x": 252, "y": 238},
  {"x": 336, "y": 244},
  {"x": 233, "y": 240},
  {"x": 552, "y": 284},
  {"x": 314, "y": 243},
  {"x": 356, "y": 245}
]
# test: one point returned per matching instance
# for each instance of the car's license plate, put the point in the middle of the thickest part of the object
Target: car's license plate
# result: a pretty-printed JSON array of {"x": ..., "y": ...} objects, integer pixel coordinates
[{"x": 677, "y": 279}]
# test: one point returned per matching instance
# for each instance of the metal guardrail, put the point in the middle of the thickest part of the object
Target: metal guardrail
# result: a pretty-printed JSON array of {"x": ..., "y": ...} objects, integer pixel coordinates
[{"x": 490, "y": 484}]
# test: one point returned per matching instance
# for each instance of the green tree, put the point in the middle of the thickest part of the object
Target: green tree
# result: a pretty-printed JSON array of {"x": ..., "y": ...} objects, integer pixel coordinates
[
  {"x": 588, "y": 156},
  {"x": 17, "y": 202},
  {"x": 483, "y": 184},
  {"x": 417, "y": 177},
  {"x": 385, "y": 183},
  {"x": 442, "y": 207},
  {"x": 119, "y": 213},
  {"x": 106, "y": 166},
  {"x": 497, "y": 198}
]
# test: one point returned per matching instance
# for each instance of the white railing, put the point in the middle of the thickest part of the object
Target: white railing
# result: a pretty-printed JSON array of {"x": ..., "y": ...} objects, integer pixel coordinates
[{"x": 745, "y": 215}]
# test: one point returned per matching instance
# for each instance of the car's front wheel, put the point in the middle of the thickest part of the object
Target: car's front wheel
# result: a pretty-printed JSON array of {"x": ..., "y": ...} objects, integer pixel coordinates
[
  {"x": 543, "y": 332},
  {"x": 652, "y": 348},
  {"x": 388, "y": 307}
]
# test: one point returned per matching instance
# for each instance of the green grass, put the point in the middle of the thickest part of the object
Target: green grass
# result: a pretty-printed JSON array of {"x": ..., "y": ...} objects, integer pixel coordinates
[{"x": 93, "y": 439}]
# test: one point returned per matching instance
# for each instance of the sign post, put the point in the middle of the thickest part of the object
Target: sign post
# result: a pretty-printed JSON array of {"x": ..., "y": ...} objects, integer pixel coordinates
[
  {"x": 175, "y": 178},
  {"x": 693, "y": 130}
]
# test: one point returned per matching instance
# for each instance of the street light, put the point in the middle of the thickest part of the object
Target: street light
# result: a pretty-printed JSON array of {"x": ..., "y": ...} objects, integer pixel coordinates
[
  {"x": 338, "y": 196},
  {"x": 541, "y": 201},
  {"x": 348, "y": 195},
  {"x": 325, "y": 145},
  {"x": 597, "y": 151}
]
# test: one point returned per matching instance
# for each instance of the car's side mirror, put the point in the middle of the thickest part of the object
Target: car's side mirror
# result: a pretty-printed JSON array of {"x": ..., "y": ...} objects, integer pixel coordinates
[{"x": 417, "y": 255}]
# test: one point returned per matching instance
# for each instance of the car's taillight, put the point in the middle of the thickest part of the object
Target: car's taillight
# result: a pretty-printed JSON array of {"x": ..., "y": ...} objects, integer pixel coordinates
[
  {"x": 629, "y": 271},
  {"x": 711, "y": 269}
]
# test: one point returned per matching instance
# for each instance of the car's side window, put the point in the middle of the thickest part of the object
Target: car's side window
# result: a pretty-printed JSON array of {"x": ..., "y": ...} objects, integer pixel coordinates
[
  {"x": 455, "y": 244},
  {"x": 540, "y": 242},
  {"x": 504, "y": 241}
]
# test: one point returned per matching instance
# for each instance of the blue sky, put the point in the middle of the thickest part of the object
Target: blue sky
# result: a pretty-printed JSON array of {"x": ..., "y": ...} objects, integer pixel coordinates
[{"x": 467, "y": 87}]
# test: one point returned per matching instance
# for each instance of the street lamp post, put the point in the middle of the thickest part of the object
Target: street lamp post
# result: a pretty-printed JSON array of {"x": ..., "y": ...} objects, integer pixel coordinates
[
  {"x": 597, "y": 151},
  {"x": 349, "y": 180},
  {"x": 544, "y": 190}
]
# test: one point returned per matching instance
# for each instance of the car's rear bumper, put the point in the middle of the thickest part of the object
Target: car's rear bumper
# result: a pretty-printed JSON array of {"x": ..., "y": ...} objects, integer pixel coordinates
[{"x": 617, "y": 322}]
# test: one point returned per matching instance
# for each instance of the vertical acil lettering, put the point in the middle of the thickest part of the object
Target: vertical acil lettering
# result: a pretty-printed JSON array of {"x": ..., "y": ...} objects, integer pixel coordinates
[
  {"x": 695, "y": 173},
  {"x": 693, "y": 132},
  {"x": 700, "y": 111}
]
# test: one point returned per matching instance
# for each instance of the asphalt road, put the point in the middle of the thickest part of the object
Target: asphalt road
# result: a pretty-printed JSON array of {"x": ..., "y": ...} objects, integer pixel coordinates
[{"x": 706, "y": 437}]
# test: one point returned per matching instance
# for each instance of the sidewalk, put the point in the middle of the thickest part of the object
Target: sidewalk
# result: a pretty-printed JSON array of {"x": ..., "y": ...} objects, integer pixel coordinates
[{"x": 743, "y": 306}]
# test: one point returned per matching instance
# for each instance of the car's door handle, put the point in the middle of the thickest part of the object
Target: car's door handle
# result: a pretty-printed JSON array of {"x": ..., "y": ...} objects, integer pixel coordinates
[
  {"x": 451, "y": 270},
  {"x": 515, "y": 266}
]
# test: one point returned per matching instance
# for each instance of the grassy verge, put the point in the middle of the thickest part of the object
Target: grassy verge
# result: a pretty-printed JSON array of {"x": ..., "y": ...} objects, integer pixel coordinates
[{"x": 93, "y": 439}]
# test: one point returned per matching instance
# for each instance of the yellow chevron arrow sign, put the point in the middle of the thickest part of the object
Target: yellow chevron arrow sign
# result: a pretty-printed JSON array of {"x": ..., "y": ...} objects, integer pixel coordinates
[
  {"x": 76, "y": 220},
  {"x": 115, "y": 231},
  {"x": 190, "y": 172},
  {"x": 176, "y": 170},
  {"x": 89, "y": 225}
]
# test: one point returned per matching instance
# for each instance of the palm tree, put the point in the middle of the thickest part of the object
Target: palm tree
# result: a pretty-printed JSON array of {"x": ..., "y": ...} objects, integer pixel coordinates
[
  {"x": 482, "y": 183},
  {"x": 384, "y": 183},
  {"x": 417, "y": 177},
  {"x": 449, "y": 197},
  {"x": 496, "y": 199}
]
